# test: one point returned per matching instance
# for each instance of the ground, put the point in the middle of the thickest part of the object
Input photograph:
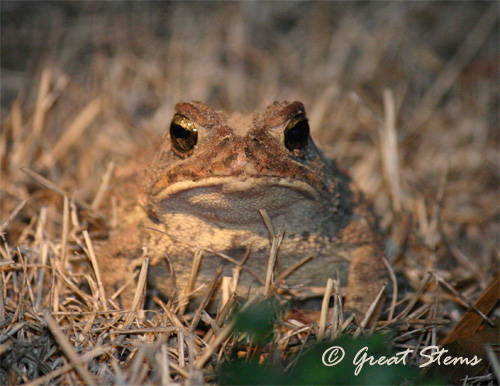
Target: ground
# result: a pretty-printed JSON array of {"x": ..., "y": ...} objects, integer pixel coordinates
[{"x": 403, "y": 95}]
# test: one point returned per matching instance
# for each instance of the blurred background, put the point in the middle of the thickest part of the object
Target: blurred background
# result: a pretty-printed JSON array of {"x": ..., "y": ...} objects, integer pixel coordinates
[{"x": 243, "y": 55}]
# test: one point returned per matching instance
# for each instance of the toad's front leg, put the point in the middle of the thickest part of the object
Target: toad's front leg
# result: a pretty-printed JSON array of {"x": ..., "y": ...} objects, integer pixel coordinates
[
  {"x": 367, "y": 275},
  {"x": 362, "y": 247}
]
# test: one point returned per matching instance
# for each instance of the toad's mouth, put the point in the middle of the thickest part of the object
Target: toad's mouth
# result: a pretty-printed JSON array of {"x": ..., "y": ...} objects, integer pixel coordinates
[{"x": 236, "y": 200}]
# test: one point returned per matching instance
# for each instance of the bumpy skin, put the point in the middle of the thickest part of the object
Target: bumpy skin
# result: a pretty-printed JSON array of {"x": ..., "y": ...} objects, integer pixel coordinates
[{"x": 209, "y": 197}]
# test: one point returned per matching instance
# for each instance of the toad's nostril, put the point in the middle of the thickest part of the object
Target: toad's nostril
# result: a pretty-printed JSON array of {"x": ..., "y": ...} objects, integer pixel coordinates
[{"x": 239, "y": 162}]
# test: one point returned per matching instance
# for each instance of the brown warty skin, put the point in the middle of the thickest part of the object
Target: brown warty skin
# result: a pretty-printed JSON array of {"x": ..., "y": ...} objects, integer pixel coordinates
[{"x": 213, "y": 172}]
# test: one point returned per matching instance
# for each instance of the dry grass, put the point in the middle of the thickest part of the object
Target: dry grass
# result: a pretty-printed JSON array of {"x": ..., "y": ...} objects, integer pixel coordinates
[{"x": 405, "y": 96}]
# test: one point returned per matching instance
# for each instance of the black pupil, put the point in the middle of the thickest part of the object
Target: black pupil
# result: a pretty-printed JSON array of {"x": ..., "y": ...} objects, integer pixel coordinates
[
  {"x": 296, "y": 134},
  {"x": 182, "y": 139}
]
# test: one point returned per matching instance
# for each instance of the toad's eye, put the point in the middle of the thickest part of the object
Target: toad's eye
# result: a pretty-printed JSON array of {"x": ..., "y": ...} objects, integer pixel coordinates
[
  {"x": 297, "y": 133},
  {"x": 183, "y": 133}
]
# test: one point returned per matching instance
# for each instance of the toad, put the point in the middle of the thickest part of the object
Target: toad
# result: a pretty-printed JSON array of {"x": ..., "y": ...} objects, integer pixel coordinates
[{"x": 213, "y": 173}]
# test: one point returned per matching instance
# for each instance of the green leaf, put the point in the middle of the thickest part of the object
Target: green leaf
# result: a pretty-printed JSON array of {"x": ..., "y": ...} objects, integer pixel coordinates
[{"x": 257, "y": 321}]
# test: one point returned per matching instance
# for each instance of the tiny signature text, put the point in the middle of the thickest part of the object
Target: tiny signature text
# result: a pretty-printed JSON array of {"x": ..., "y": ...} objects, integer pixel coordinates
[{"x": 430, "y": 354}]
